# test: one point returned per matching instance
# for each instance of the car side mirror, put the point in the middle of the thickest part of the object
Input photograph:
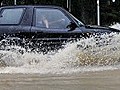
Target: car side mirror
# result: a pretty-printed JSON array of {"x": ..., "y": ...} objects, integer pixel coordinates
[{"x": 72, "y": 26}]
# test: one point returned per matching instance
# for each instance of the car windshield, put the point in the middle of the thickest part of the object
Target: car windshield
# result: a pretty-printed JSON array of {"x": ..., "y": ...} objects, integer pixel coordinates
[{"x": 77, "y": 21}]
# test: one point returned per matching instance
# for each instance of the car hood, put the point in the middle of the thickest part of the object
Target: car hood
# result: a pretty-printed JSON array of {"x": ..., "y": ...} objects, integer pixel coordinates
[{"x": 100, "y": 28}]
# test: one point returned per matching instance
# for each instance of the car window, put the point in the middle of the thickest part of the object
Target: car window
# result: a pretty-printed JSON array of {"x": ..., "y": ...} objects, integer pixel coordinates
[
  {"x": 11, "y": 16},
  {"x": 51, "y": 18}
]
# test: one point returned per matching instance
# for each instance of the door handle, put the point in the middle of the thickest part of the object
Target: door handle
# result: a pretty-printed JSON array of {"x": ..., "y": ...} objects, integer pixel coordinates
[{"x": 38, "y": 31}]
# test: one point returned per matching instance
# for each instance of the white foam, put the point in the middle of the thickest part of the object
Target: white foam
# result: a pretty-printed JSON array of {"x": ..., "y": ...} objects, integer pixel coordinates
[{"x": 116, "y": 26}]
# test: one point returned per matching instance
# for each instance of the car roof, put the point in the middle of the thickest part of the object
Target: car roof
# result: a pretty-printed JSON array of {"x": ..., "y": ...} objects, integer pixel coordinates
[{"x": 31, "y": 6}]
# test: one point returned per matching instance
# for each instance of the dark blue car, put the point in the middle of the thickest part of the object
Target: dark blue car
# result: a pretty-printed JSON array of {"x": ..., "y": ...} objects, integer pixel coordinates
[{"x": 49, "y": 24}]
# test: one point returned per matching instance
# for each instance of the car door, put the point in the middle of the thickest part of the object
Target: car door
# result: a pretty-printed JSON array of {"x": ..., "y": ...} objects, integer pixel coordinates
[{"x": 50, "y": 24}]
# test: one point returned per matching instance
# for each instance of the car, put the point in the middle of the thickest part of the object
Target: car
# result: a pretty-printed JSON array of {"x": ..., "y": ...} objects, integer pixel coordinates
[{"x": 48, "y": 25}]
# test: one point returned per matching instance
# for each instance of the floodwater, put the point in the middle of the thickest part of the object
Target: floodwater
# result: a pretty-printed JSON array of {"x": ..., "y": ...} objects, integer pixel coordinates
[
  {"x": 105, "y": 80},
  {"x": 88, "y": 64}
]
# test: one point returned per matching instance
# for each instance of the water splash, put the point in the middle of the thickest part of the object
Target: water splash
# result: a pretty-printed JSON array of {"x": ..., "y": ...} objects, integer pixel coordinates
[
  {"x": 93, "y": 54},
  {"x": 102, "y": 52}
]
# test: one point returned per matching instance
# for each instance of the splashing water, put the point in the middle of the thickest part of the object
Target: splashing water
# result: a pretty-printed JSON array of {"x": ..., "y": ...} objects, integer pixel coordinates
[{"x": 92, "y": 54}]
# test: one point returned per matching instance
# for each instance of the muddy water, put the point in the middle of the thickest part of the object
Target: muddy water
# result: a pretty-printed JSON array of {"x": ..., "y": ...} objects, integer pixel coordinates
[
  {"x": 105, "y": 80},
  {"x": 92, "y": 54},
  {"x": 88, "y": 64}
]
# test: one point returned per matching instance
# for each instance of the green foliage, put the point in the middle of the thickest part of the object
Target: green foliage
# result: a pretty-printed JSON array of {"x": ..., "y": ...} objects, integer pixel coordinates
[{"x": 85, "y": 10}]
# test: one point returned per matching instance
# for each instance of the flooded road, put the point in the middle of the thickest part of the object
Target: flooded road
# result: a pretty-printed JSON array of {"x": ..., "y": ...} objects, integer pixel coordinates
[
  {"x": 88, "y": 64},
  {"x": 105, "y": 80}
]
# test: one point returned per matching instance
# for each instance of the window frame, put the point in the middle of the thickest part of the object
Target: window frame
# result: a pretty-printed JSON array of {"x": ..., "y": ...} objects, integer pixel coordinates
[
  {"x": 34, "y": 16},
  {"x": 21, "y": 17}
]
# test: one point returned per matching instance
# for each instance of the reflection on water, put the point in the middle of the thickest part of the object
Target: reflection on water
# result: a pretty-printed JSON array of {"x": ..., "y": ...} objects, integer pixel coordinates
[{"x": 93, "y": 54}]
